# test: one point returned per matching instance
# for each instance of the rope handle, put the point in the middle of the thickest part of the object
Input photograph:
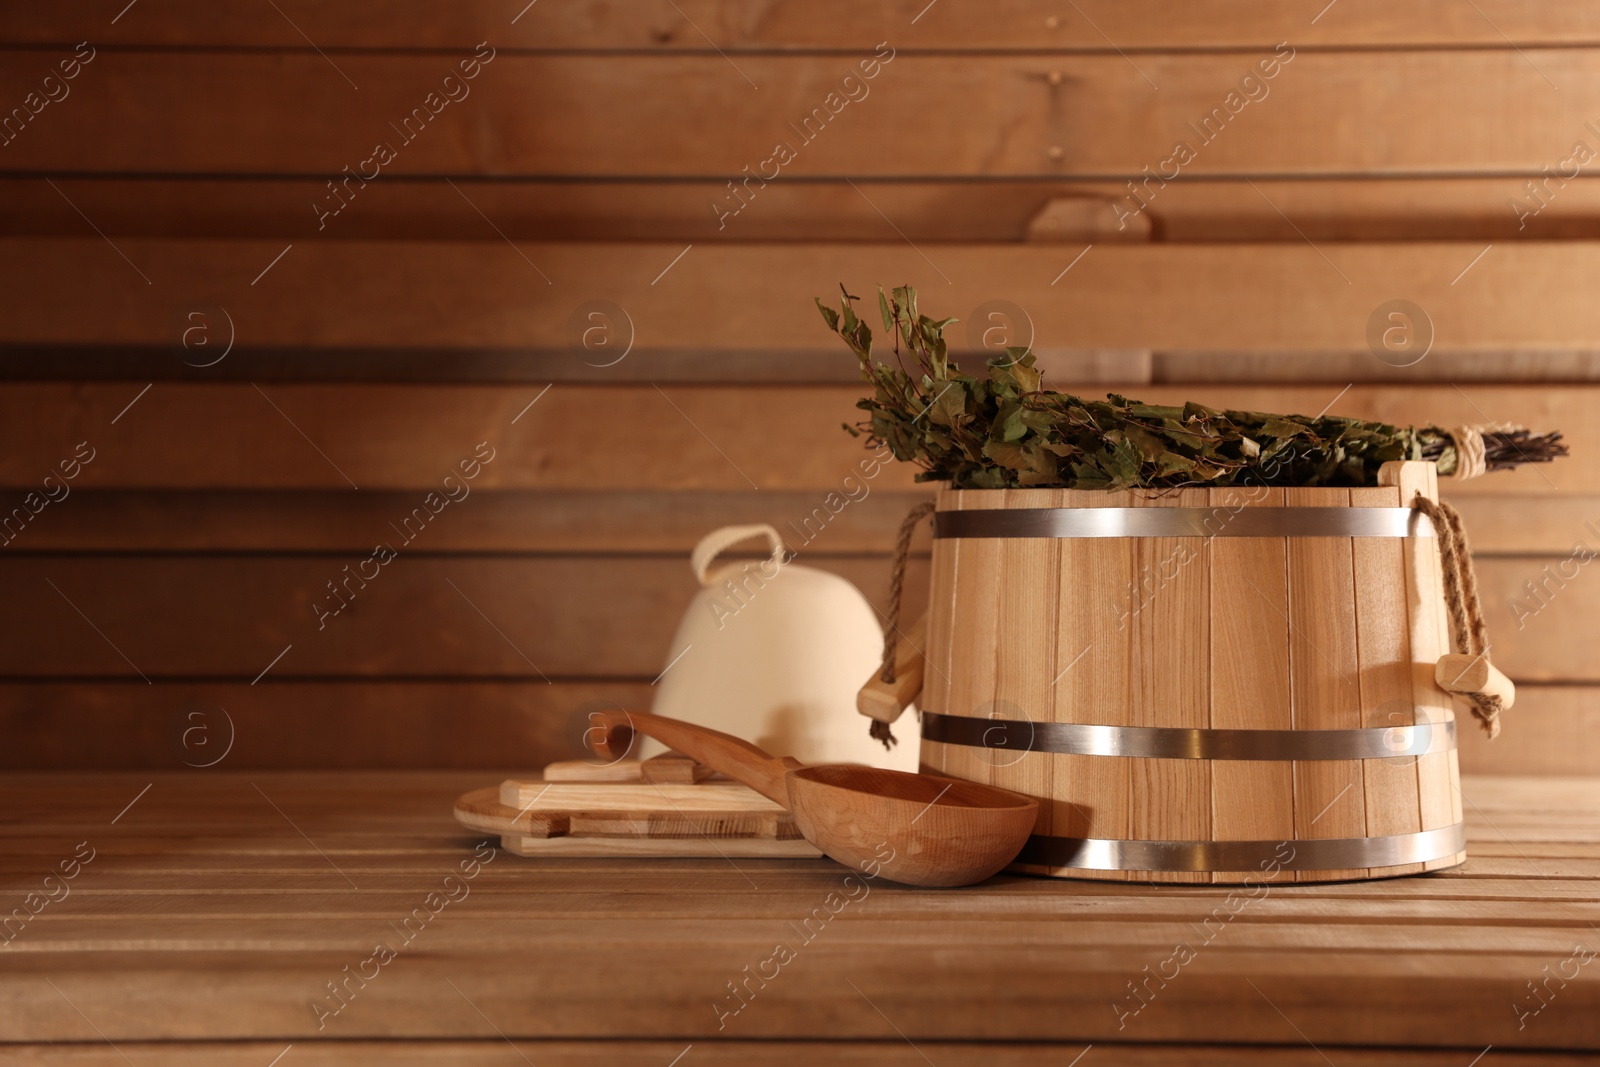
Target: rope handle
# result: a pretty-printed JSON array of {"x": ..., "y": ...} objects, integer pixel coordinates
[
  {"x": 897, "y": 581},
  {"x": 720, "y": 540},
  {"x": 880, "y": 730},
  {"x": 1487, "y": 690}
]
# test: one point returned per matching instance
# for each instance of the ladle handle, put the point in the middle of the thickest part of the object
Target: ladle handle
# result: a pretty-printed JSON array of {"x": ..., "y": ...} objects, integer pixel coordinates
[{"x": 736, "y": 758}]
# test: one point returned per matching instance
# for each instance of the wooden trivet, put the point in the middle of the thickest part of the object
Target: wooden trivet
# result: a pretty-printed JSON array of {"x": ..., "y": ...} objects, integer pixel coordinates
[{"x": 622, "y": 814}]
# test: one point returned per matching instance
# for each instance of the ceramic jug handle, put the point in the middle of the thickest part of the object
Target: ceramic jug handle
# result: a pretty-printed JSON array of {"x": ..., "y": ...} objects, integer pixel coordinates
[{"x": 719, "y": 541}]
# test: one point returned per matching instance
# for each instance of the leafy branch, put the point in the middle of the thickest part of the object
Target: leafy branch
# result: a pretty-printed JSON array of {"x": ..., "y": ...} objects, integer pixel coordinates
[{"x": 1006, "y": 430}]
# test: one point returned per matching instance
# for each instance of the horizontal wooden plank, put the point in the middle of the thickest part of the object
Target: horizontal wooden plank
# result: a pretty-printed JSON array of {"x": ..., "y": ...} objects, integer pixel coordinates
[
  {"x": 1466, "y": 112},
  {"x": 275, "y": 874},
  {"x": 515, "y": 618},
  {"x": 1342, "y": 367},
  {"x": 1068, "y": 996},
  {"x": 311, "y": 725},
  {"x": 1552, "y": 730},
  {"x": 1087, "y": 369},
  {"x": 413, "y": 437},
  {"x": 1552, "y": 526},
  {"x": 1537, "y": 607},
  {"x": 308, "y": 364},
  {"x": 558, "y": 617},
  {"x": 476, "y": 296},
  {"x": 497, "y": 521},
  {"x": 554, "y": 928},
  {"x": 277, "y": 864},
  {"x": 597, "y": 520},
  {"x": 1195, "y": 209},
  {"x": 410, "y": 437},
  {"x": 1522, "y": 795},
  {"x": 289, "y": 929},
  {"x": 739, "y": 25},
  {"x": 492, "y": 1052},
  {"x": 367, "y": 724}
]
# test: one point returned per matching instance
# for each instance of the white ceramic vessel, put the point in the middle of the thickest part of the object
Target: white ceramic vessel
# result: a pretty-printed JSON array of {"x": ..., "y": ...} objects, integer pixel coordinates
[{"x": 774, "y": 652}]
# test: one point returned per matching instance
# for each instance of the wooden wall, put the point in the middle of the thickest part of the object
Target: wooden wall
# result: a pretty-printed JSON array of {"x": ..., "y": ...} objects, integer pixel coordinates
[{"x": 274, "y": 360}]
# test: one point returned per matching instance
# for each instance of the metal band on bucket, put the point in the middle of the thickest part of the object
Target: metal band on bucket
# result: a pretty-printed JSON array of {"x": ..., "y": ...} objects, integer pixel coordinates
[
  {"x": 1183, "y": 522},
  {"x": 1319, "y": 854},
  {"x": 1159, "y": 742}
]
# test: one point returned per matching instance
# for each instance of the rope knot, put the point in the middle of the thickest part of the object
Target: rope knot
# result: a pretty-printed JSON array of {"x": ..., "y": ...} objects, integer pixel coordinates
[
  {"x": 1469, "y": 631},
  {"x": 1472, "y": 456}
]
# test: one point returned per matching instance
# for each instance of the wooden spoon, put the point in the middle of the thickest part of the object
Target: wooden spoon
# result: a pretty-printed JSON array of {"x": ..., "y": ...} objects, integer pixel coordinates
[{"x": 919, "y": 829}]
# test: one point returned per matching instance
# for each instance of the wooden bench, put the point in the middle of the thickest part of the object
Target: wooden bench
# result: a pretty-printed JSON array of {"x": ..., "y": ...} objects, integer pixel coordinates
[{"x": 209, "y": 917}]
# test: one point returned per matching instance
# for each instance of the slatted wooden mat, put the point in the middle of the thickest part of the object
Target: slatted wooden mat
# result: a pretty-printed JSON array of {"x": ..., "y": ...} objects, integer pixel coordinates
[
  {"x": 216, "y": 909},
  {"x": 643, "y": 820}
]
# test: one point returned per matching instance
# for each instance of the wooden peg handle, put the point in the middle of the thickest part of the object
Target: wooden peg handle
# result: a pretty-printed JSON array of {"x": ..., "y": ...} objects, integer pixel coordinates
[
  {"x": 738, "y": 759},
  {"x": 885, "y": 701},
  {"x": 1457, "y": 672},
  {"x": 673, "y": 768}
]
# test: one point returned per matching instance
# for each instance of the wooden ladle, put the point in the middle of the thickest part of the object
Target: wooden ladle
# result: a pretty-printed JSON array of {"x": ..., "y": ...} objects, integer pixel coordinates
[{"x": 919, "y": 829}]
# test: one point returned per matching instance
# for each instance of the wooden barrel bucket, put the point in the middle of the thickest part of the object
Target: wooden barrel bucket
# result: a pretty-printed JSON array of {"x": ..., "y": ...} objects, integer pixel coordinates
[{"x": 1205, "y": 685}]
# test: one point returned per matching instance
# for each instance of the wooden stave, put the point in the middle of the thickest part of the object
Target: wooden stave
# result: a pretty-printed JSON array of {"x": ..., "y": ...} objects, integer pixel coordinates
[{"x": 1425, "y": 614}]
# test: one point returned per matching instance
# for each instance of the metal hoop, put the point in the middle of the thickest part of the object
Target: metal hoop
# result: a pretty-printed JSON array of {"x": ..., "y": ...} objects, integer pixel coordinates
[
  {"x": 1156, "y": 742},
  {"x": 1183, "y": 522},
  {"x": 1318, "y": 854}
]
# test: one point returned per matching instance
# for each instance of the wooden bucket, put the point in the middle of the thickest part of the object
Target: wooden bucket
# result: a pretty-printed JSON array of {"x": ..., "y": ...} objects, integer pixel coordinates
[{"x": 1208, "y": 685}]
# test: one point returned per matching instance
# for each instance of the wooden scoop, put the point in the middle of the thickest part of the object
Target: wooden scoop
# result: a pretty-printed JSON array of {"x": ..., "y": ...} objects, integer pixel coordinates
[{"x": 919, "y": 829}]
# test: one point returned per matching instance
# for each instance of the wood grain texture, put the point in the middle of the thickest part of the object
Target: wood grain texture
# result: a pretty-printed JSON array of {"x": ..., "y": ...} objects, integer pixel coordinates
[
  {"x": 412, "y": 437},
  {"x": 229, "y": 619},
  {"x": 492, "y": 1052},
  {"x": 1383, "y": 640},
  {"x": 786, "y": 438},
  {"x": 1552, "y": 526},
  {"x": 933, "y": 756},
  {"x": 338, "y": 723},
  {"x": 485, "y": 1052},
  {"x": 204, "y": 892},
  {"x": 885, "y": 701},
  {"x": 624, "y": 119},
  {"x": 658, "y": 847},
  {"x": 1345, "y": 368},
  {"x": 477, "y": 295},
  {"x": 1170, "y": 679},
  {"x": 1250, "y": 672},
  {"x": 666, "y": 768},
  {"x": 639, "y": 521},
  {"x": 588, "y": 770},
  {"x": 1324, "y": 666},
  {"x": 735, "y": 25},
  {"x": 1196, "y": 209},
  {"x": 1557, "y": 728},
  {"x": 630, "y": 521},
  {"x": 1028, "y": 653},
  {"x": 1095, "y": 626},
  {"x": 636, "y": 820},
  {"x": 1437, "y": 774},
  {"x": 1086, "y": 368},
  {"x": 537, "y": 795},
  {"x": 1531, "y": 602},
  {"x": 980, "y": 581}
]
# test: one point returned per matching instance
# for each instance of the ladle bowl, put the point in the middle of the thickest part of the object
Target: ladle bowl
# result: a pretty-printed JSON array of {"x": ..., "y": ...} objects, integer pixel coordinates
[{"x": 919, "y": 829}]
